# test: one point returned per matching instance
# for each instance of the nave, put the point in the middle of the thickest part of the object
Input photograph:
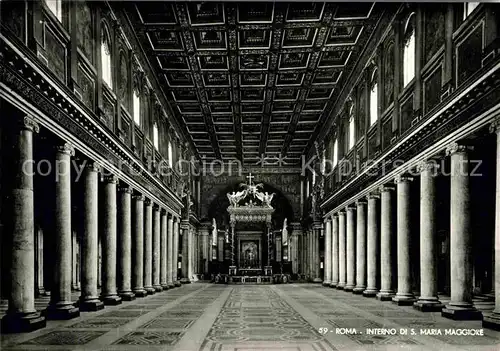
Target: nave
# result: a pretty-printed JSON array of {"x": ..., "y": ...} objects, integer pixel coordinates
[{"x": 203, "y": 316}]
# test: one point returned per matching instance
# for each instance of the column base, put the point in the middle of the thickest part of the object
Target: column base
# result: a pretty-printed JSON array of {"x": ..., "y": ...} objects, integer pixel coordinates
[
  {"x": 340, "y": 286},
  {"x": 91, "y": 305},
  {"x": 61, "y": 312},
  {"x": 349, "y": 287},
  {"x": 492, "y": 321},
  {"x": 164, "y": 286},
  {"x": 428, "y": 305},
  {"x": 469, "y": 313},
  {"x": 22, "y": 322},
  {"x": 358, "y": 290},
  {"x": 111, "y": 300},
  {"x": 158, "y": 288},
  {"x": 334, "y": 285},
  {"x": 177, "y": 283},
  {"x": 171, "y": 285},
  {"x": 385, "y": 295},
  {"x": 185, "y": 281},
  {"x": 404, "y": 299},
  {"x": 326, "y": 282},
  {"x": 140, "y": 293},
  {"x": 370, "y": 293},
  {"x": 149, "y": 290},
  {"x": 127, "y": 296}
]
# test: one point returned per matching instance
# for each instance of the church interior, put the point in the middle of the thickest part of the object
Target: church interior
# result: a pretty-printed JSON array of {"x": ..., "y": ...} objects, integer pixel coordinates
[{"x": 249, "y": 175}]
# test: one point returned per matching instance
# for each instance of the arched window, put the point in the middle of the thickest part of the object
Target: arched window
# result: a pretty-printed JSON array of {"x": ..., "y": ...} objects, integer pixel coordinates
[
  {"x": 374, "y": 99},
  {"x": 107, "y": 67},
  {"x": 55, "y": 7},
  {"x": 335, "y": 153},
  {"x": 409, "y": 50},
  {"x": 155, "y": 136},
  {"x": 352, "y": 128},
  {"x": 137, "y": 107},
  {"x": 469, "y": 7},
  {"x": 170, "y": 155}
]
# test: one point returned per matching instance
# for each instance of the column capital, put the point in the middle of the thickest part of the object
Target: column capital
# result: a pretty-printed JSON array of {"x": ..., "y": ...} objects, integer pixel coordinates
[
  {"x": 427, "y": 165},
  {"x": 163, "y": 212},
  {"x": 126, "y": 189},
  {"x": 147, "y": 202},
  {"x": 327, "y": 219},
  {"x": 402, "y": 178},
  {"x": 93, "y": 166},
  {"x": 341, "y": 213},
  {"x": 373, "y": 196},
  {"x": 455, "y": 147},
  {"x": 111, "y": 179},
  {"x": 156, "y": 207},
  {"x": 385, "y": 188},
  {"x": 29, "y": 123},
  {"x": 495, "y": 126},
  {"x": 360, "y": 202},
  {"x": 350, "y": 208},
  {"x": 139, "y": 197},
  {"x": 66, "y": 148}
]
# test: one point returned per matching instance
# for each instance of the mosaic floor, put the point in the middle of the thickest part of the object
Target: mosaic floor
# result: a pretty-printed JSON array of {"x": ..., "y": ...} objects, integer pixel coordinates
[{"x": 296, "y": 317}]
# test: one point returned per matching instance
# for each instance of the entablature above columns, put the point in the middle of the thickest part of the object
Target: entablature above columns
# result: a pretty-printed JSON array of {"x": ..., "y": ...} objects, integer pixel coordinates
[
  {"x": 469, "y": 109},
  {"x": 49, "y": 105}
]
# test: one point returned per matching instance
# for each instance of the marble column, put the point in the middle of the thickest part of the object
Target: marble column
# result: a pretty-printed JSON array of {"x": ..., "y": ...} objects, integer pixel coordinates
[
  {"x": 61, "y": 306},
  {"x": 39, "y": 261},
  {"x": 75, "y": 261},
  {"x": 295, "y": 242},
  {"x": 404, "y": 295},
  {"x": 310, "y": 244},
  {"x": 351, "y": 248},
  {"x": 428, "y": 300},
  {"x": 328, "y": 252},
  {"x": 124, "y": 244},
  {"x": 492, "y": 320},
  {"x": 163, "y": 250},
  {"x": 175, "y": 257},
  {"x": 156, "y": 249},
  {"x": 372, "y": 243},
  {"x": 335, "y": 251},
  {"x": 148, "y": 247},
  {"x": 19, "y": 233},
  {"x": 342, "y": 250},
  {"x": 386, "y": 292},
  {"x": 460, "y": 306},
  {"x": 170, "y": 250},
  {"x": 204, "y": 232},
  {"x": 360, "y": 247},
  {"x": 138, "y": 245},
  {"x": 89, "y": 299},
  {"x": 109, "y": 293},
  {"x": 317, "y": 228},
  {"x": 190, "y": 254},
  {"x": 185, "y": 254}
]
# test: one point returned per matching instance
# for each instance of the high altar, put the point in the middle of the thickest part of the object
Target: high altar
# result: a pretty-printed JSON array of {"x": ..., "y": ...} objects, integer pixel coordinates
[{"x": 250, "y": 205}]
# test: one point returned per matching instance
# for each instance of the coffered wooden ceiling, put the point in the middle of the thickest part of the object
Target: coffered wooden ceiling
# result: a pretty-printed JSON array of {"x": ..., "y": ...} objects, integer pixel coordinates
[{"x": 256, "y": 78}]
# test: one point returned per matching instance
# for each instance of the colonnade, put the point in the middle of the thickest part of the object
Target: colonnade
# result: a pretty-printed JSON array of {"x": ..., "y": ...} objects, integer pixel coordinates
[
  {"x": 140, "y": 239},
  {"x": 359, "y": 240}
]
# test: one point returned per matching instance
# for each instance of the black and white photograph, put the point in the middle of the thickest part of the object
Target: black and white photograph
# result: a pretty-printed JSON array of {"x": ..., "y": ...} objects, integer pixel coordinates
[{"x": 249, "y": 175}]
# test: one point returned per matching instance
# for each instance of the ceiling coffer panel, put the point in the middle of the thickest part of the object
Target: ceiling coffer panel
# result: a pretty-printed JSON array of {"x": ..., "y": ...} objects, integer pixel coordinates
[{"x": 252, "y": 78}]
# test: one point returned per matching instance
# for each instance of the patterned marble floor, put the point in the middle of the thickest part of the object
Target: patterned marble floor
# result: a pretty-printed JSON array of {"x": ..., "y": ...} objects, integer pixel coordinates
[{"x": 249, "y": 318}]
